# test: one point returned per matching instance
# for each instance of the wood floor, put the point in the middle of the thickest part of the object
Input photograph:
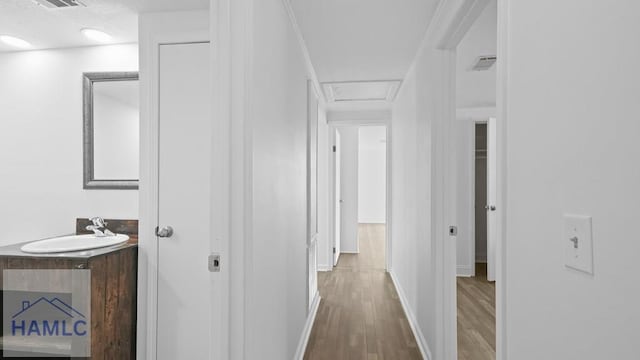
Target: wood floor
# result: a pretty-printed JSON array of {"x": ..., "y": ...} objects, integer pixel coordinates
[
  {"x": 476, "y": 317},
  {"x": 360, "y": 315}
]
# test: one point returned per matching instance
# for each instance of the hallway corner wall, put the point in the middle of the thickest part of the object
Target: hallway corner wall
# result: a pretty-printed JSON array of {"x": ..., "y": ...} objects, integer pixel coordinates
[
  {"x": 276, "y": 267},
  {"x": 419, "y": 237}
]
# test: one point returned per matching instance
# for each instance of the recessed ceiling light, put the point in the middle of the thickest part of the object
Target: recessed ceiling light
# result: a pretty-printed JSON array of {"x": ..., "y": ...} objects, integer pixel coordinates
[
  {"x": 96, "y": 35},
  {"x": 14, "y": 41}
]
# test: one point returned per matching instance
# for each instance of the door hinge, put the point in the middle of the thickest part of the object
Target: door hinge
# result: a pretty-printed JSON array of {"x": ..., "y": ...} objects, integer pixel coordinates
[
  {"x": 334, "y": 250},
  {"x": 334, "y": 148},
  {"x": 214, "y": 262}
]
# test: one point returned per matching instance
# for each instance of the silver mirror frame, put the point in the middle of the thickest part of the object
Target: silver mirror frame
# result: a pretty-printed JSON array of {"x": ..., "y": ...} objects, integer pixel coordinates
[{"x": 89, "y": 180}]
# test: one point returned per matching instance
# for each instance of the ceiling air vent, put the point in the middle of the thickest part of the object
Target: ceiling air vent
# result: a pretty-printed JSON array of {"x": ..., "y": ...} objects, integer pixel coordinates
[
  {"x": 59, "y": 4},
  {"x": 484, "y": 63}
]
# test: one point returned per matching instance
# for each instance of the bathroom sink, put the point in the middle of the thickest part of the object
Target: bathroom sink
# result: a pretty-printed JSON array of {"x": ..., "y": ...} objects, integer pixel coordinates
[{"x": 72, "y": 243}]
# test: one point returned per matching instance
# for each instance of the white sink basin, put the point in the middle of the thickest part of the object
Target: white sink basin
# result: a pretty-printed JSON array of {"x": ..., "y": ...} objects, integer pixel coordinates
[{"x": 72, "y": 243}]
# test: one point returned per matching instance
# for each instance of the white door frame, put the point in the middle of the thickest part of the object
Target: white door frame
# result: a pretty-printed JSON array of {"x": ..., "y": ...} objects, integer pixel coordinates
[
  {"x": 336, "y": 220},
  {"x": 173, "y": 28},
  {"x": 475, "y": 120},
  {"x": 475, "y": 116},
  {"x": 502, "y": 117},
  {"x": 452, "y": 21},
  {"x": 333, "y": 126}
]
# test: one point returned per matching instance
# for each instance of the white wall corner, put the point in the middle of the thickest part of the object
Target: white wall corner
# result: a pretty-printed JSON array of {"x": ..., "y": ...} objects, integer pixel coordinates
[
  {"x": 306, "y": 331},
  {"x": 413, "y": 323}
]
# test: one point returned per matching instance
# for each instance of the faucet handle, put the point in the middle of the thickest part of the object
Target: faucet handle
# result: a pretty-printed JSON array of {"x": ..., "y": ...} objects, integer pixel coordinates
[
  {"x": 98, "y": 221},
  {"x": 96, "y": 230}
]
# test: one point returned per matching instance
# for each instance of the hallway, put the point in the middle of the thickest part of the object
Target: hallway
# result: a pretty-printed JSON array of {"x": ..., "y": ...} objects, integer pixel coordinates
[{"x": 360, "y": 315}]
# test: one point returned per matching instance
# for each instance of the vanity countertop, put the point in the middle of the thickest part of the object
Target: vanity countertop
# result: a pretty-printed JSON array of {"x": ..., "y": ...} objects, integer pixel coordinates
[{"x": 14, "y": 251}]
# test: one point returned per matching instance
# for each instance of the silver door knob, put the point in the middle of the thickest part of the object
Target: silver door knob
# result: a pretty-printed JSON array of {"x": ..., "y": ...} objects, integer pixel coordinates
[{"x": 164, "y": 232}]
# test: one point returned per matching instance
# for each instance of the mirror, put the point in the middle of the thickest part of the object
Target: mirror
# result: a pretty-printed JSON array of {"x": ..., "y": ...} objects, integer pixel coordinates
[{"x": 111, "y": 130}]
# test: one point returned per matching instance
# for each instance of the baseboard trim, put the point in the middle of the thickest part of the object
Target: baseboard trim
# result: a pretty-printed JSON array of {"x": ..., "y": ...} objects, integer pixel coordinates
[
  {"x": 422, "y": 342},
  {"x": 325, "y": 268},
  {"x": 463, "y": 271},
  {"x": 349, "y": 252},
  {"x": 306, "y": 331}
]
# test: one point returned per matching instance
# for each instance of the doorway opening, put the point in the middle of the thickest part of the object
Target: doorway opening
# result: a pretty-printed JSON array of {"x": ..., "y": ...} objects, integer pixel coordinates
[
  {"x": 358, "y": 287},
  {"x": 476, "y": 282},
  {"x": 360, "y": 197},
  {"x": 475, "y": 139},
  {"x": 480, "y": 200}
]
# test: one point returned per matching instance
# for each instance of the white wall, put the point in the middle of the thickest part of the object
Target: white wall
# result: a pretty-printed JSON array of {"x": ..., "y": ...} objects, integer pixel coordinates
[
  {"x": 477, "y": 88},
  {"x": 419, "y": 208},
  {"x": 403, "y": 206},
  {"x": 41, "y": 142},
  {"x": 572, "y": 141},
  {"x": 325, "y": 237},
  {"x": 372, "y": 176},
  {"x": 276, "y": 269},
  {"x": 349, "y": 188}
]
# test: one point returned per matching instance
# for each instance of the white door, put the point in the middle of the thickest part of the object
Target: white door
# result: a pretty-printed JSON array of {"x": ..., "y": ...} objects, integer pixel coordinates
[
  {"x": 184, "y": 286},
  {"x": 337, "y": 200},
  {"x": 492, "y": 189}
]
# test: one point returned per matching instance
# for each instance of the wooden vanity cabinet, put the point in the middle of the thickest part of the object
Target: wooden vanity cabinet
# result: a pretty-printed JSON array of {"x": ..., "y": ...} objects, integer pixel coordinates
[{"x": 113, "y": 293}]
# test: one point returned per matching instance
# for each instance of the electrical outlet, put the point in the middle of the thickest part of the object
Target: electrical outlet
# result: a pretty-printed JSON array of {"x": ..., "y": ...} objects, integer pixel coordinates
[{"x": 578, "y": 243}]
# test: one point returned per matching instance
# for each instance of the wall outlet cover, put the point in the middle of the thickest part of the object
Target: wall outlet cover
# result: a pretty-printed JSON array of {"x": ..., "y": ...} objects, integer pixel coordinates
[{"x": 578, "y": 243}]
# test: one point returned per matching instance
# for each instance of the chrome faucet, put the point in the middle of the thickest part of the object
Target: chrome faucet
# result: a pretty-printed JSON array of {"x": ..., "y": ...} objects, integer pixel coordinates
[{"x": 99, "y": 227}]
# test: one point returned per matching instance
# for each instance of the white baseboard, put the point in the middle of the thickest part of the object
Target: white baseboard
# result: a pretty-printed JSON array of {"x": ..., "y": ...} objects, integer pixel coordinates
[
  {"x": 422, "y": 342},
  {"x": 306, "y": 331},
  {"x": 463, "y": 271},
  {"x": 325, "y": 268},
  {"x": 349, "y": 252}
]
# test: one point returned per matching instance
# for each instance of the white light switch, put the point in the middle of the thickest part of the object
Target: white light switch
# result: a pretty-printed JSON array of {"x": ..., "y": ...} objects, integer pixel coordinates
[{"x": 578, "y": 243}]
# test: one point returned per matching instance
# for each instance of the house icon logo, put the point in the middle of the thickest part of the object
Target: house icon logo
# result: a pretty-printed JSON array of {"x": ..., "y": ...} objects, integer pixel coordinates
[{"x": 48, "y": 317}]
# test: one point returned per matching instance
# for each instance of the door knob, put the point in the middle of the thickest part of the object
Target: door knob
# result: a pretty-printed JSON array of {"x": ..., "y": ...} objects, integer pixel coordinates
[{"x": 164, "y": 232}]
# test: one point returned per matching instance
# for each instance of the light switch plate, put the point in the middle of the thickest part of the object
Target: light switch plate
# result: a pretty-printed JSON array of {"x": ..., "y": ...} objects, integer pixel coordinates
[{"x": 578, "y": 243}]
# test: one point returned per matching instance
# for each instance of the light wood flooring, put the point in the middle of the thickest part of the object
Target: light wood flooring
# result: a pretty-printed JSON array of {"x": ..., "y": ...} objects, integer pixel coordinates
[
  {"x": 360, "y": 315},
  {"x": 476, "y": 317}
]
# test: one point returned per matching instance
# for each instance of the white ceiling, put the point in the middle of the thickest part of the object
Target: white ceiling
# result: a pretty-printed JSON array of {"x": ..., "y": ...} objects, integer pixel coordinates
[
  {"x": 362, "y": 39},
  {"x": 356, "y": 40},
  {"x": 56, "y": 28}
]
